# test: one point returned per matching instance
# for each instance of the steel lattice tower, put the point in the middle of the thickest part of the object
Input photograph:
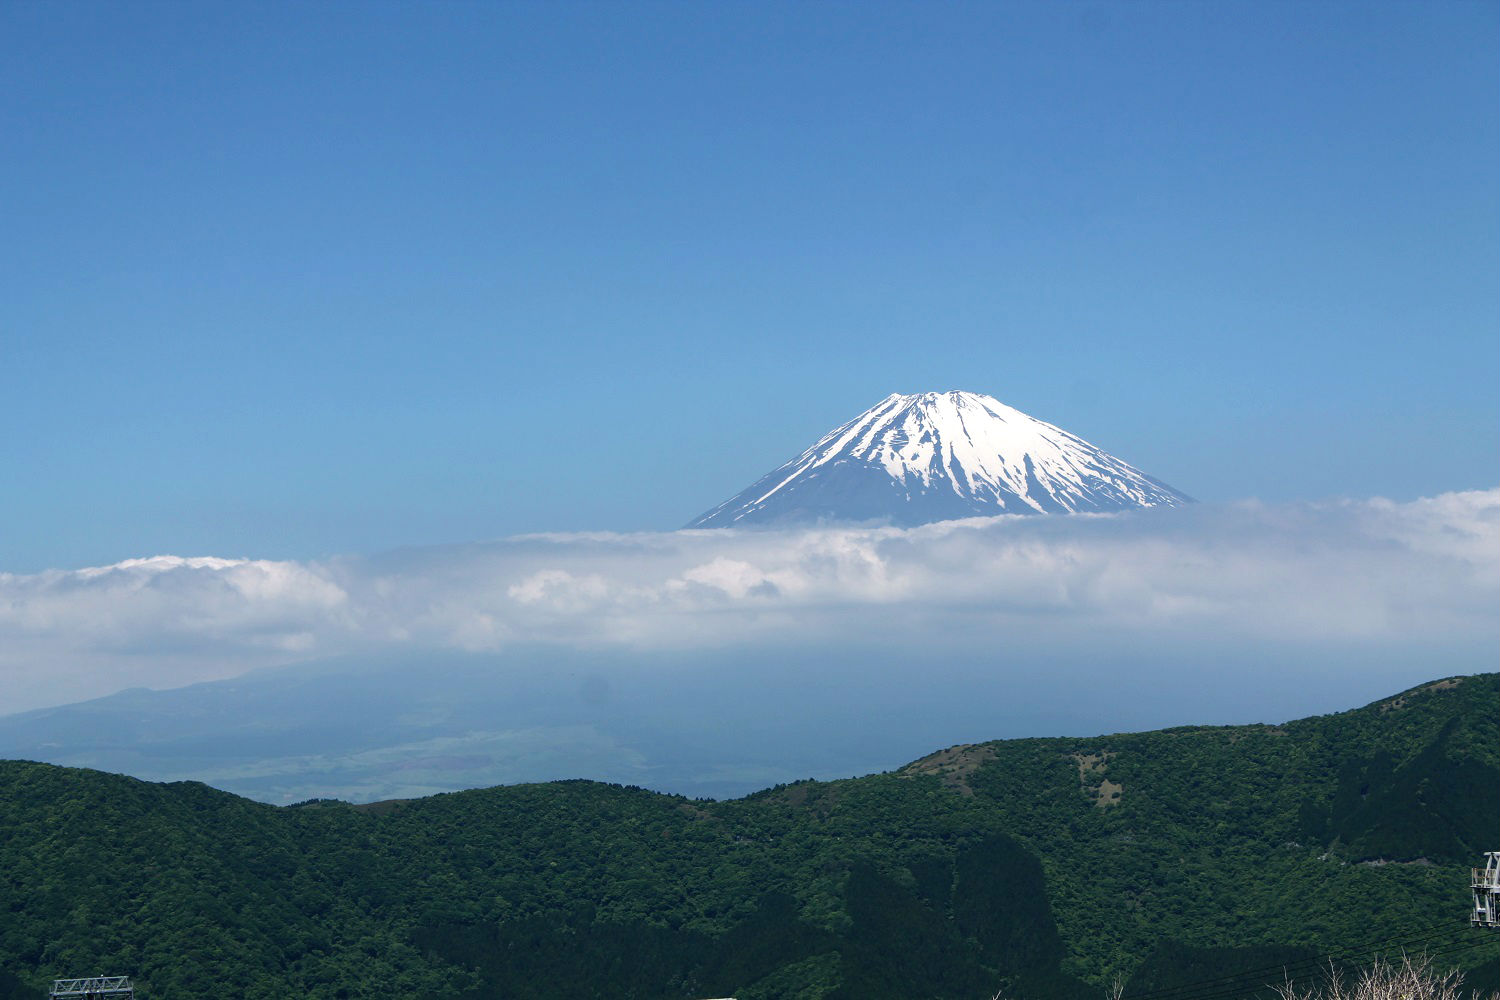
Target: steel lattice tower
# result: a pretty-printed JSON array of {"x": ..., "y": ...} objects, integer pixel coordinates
[
  {"x": 95, "y": 988},
  {"x": 1487, "y": 892}
]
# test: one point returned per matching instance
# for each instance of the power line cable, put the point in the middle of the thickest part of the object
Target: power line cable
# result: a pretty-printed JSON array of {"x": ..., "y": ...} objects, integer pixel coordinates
[
  {"x": 1254, "y": 980},
  {"x": 1417, "y": 936},
  {"x": 1246, "y": 987},
  {"x": 1412, "y": 939}
]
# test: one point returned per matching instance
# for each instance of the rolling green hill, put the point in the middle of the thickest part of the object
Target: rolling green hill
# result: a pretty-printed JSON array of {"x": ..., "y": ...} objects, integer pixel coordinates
[{"x": 1045, "y": 867}]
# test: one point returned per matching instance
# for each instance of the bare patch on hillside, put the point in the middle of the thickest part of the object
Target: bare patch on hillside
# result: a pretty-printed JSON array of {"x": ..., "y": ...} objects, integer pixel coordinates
[
  {"x": 1091, "y": 779},
  {"x": 817, "y": 797},
  {"x": 1402, "y": 700},
  {"x": 383, "y": 807},
  {"x": 697, "y": 812},
  {"x": 952, "y": 766},
  {"x": 1245, "y": 732}
]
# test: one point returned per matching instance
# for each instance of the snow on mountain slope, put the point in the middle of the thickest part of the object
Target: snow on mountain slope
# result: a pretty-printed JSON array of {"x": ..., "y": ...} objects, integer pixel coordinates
[{"x": 935, "y": 456}]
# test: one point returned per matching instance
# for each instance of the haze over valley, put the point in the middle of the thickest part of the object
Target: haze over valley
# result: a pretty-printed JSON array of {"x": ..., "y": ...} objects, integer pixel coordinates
[{"x": 806, "y": 639}]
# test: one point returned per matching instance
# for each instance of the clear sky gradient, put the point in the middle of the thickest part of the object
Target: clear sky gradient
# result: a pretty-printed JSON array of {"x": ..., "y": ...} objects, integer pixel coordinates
[{"x": 282, "y": 280}]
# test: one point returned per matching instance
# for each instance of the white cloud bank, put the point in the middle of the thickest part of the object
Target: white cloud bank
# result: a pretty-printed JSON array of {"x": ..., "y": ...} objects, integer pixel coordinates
[{"x": 1342, "y": 573}]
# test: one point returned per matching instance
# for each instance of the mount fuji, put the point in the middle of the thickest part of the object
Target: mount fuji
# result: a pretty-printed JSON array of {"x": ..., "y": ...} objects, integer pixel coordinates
[{"x": 935, "y": 456}]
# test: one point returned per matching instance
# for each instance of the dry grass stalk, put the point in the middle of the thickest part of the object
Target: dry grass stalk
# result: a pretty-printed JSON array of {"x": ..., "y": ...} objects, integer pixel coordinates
[{"x": 1409, "y": 979}]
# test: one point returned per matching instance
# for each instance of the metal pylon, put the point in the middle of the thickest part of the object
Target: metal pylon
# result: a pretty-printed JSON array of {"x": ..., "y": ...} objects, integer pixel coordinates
[
  {"x": 94, "y": 988},
  {"x": 1487, "y": 892}
]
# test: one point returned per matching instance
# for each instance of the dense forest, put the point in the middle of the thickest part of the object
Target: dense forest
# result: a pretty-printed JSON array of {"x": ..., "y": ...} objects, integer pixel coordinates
[{"x": 1169, "y": 861}]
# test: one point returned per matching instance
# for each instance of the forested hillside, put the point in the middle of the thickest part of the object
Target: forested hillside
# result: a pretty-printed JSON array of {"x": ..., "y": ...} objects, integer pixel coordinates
[{"x": 1044, "y": 867}]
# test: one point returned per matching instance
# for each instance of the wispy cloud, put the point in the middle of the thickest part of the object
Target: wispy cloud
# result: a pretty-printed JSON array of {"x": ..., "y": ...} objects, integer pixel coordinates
[{"x": 1342, "y": 572}]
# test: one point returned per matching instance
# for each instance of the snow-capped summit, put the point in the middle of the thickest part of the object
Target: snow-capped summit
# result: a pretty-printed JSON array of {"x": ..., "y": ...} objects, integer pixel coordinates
[{"x": 934, "y": 456}]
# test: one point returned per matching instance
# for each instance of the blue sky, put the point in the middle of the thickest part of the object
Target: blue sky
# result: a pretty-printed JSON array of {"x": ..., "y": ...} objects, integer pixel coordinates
[{"x": 281, "y": 281}]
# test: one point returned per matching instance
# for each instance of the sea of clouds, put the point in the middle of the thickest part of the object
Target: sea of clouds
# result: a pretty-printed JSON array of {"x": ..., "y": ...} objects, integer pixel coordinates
[{"x": 1330, "y": 574}]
